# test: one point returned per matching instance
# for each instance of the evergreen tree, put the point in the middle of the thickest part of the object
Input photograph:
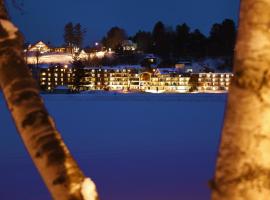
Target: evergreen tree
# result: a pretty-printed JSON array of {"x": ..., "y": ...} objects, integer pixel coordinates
[
  {"x": 160, "y": 42},
  {"x": 78, "y": 34},
  {"x": 114, "y": 38},
  {"x": 197, "y": 46},
  {"x": 144, "y": 41},
  {"x": 182, "y": 40},
  {"x": 68, "y": 34},
  {"x": 74, "y": 35},
  {"x": 222, "y": 38}
]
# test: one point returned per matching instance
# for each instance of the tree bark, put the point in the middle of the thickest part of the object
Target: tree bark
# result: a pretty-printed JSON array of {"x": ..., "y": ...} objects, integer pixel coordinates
[
  {"x": 53, "y": 160},
  {"x": 243, "y": 164}
]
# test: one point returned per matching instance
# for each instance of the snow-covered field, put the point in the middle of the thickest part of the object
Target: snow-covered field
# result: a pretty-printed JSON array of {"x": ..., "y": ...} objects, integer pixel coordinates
[{"x": 135, "y": 147}]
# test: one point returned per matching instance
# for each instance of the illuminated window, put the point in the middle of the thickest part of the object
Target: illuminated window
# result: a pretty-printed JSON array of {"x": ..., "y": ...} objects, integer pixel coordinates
[
  {"x": 43, "y": 74},
  {"x": 55, "y": 74}
]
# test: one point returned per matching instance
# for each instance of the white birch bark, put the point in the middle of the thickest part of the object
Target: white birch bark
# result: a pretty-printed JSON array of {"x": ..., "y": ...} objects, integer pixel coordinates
[
  {"x": 243, "y": 164},
  {"x": 53, "y": 160}
]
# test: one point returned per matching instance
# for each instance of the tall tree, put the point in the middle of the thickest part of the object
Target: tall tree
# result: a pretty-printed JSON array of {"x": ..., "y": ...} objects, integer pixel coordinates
[
  {"x": 74, "y": 35},
  {"x": 222, "y": 38},
  {"x": 197, "y": 44},
  {"x": 114, "y": 38},
  {"x": 144, "y": 41},
  {"x": 78, "y": 34},
  {"x": 243, "y": 164},
  {"x": 68, "y": 34},
  {"x": 36, "y": 127},
  {"x": 182, "y": 40},
  {"x": 160, "y": 40}
]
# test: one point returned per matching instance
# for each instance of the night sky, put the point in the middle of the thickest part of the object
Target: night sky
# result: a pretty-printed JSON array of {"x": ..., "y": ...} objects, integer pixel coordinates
[{"x": 44, "y": 20}]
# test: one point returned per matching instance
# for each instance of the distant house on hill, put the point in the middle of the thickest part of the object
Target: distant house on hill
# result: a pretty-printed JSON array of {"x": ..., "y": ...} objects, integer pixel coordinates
[
  {"x": 128, "y": 45},
  {"x": 39, "y": 47},
  {"x": 42, "y": 47}
]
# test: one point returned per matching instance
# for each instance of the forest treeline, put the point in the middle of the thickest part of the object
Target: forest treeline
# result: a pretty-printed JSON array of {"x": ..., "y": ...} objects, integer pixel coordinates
[{"x": 167, "y": 42}]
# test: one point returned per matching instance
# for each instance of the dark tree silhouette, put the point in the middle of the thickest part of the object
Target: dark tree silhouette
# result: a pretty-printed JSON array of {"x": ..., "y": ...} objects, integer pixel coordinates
[
  {"x": 160, "y": 41},
  {"x": 144, "y": 41},
  {"x": 114, "y": 38}
]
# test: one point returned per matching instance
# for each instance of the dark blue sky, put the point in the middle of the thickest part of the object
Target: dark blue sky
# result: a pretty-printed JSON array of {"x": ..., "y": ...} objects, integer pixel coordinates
[{"x": 44, "y": 20}]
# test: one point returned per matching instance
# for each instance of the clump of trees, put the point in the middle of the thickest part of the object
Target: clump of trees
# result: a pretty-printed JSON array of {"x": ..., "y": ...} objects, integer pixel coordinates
[
  {"x": 114, "y": 38},
  {"x": 74, "y": 35},
  {"x": 169, "y": 43},
  {"x": 181, "y": 41}
]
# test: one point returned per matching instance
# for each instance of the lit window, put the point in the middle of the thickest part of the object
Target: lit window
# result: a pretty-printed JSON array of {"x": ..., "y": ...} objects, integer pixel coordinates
[
  {"x": 43, "y": 74},
  {"x": 55, "y": 74}
]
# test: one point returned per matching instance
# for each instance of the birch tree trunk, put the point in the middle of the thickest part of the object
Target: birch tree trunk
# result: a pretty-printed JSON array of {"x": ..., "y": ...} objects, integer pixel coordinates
[
  {"x": 54, "y": 162},
  {"x": 243, "y": 164}
]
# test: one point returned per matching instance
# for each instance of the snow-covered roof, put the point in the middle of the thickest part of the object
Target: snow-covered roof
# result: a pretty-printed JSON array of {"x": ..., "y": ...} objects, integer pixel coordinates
[
  {"x": 166, "y": 70},
  {"x": 119, "y": 67}
]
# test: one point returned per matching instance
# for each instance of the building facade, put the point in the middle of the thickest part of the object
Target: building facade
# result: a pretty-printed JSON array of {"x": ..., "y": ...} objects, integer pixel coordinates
[
  {"x": 131, "y": 78},
  {"x": 53, "y": 76}
]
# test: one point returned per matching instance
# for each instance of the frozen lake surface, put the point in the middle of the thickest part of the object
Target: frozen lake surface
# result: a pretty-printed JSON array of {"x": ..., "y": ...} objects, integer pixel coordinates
[{"x": 135, "y": 147}]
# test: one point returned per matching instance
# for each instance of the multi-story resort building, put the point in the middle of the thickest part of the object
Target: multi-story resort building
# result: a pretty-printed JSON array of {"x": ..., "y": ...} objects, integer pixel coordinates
[
  {"x": 131, "y": 78},
  {"x": 55, "y": 75},
  {"x": 212, "y": 81}
]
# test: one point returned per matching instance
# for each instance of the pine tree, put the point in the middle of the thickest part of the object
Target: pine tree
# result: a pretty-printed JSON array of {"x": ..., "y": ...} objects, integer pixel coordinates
[{"x": 69, "y": 35}]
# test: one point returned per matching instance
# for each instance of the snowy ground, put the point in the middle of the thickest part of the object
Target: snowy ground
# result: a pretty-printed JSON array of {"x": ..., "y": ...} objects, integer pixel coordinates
[{"x": 140, "y": 147}]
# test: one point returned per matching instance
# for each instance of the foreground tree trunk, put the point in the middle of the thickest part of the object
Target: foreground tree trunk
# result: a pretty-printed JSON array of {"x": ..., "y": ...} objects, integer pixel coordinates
[
  {"x": 58, "y": 169},
  {"x": 243, "y": 165}
]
